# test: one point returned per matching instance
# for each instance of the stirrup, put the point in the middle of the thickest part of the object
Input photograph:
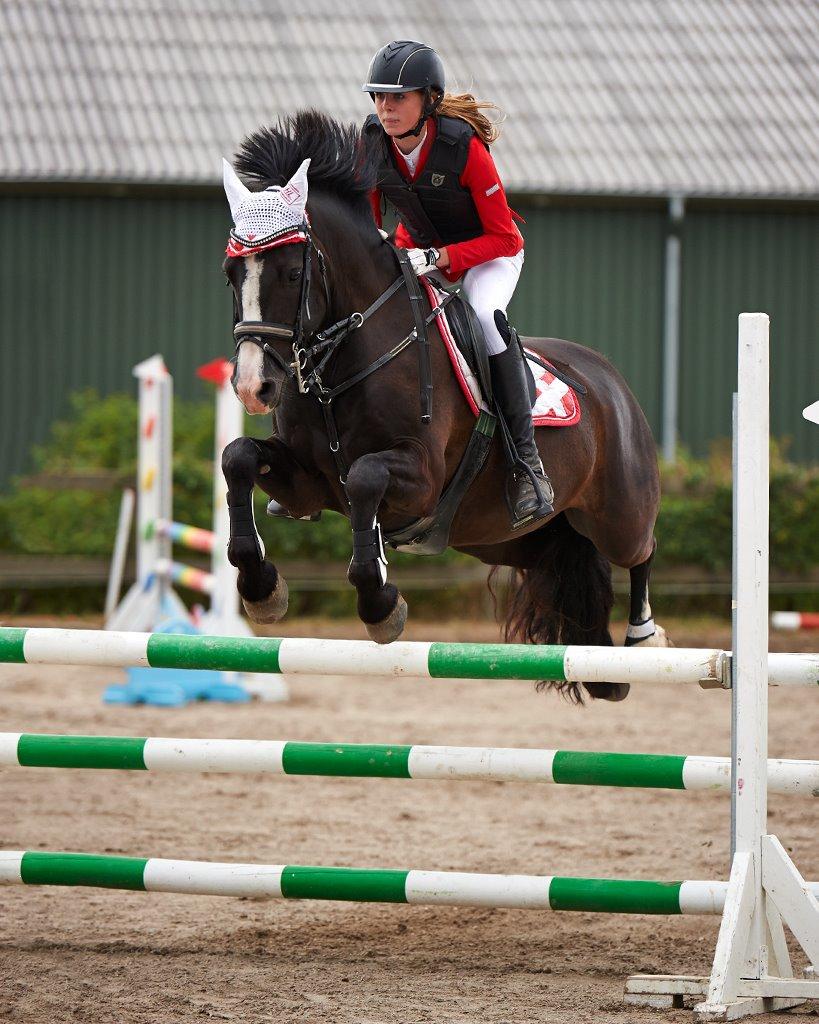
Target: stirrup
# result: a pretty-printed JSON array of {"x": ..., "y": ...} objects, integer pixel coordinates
[
  {"x": 274, "y": 508},
  {"x": 545, "y": 497}
]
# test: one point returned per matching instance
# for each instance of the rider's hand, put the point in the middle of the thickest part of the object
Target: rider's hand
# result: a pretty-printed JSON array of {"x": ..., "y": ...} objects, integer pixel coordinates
[{"x": 423, "y": 260}]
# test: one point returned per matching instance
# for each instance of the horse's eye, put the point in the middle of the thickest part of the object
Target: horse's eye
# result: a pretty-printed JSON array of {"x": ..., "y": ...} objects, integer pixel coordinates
[{"x": 295, "y": 273}]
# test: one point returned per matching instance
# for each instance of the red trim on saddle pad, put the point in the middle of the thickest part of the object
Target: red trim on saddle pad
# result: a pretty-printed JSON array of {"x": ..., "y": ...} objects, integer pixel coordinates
[{"x": 556, "y": 404}]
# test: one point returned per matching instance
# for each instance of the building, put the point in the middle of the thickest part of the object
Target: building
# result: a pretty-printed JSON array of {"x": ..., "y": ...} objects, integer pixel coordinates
[{"x": 665, "y": 156}]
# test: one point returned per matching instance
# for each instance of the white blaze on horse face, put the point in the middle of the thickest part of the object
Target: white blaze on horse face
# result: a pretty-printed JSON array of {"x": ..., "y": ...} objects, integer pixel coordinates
[{"x": 250, "y": 357}]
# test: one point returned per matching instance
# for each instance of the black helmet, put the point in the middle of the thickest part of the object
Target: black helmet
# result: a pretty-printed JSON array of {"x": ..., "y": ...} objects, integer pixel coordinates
[{"x": 404, "y": 65}]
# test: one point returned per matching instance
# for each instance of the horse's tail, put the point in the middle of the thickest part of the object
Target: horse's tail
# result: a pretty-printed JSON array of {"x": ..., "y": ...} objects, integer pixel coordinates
[{"x": 565, "y": 597}]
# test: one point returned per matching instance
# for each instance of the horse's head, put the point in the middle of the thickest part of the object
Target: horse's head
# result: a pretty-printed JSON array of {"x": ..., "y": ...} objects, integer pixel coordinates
[{"x": 270, "y": 254}]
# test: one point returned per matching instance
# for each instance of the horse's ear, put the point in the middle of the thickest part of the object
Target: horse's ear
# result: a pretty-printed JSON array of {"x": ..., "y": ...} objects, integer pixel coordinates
[
  {"x": 235, "y": 191},
  {"x": 294, "y": 193}
]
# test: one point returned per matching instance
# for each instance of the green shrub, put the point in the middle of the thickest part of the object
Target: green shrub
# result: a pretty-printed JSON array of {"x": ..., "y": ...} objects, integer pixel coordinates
[{"x": 694, "y": 527}]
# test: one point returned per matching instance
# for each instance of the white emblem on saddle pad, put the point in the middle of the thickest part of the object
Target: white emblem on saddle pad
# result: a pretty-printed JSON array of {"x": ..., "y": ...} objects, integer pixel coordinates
[
  {"x": 262, "y": 220},
  {"x": 556, "y": 404}
]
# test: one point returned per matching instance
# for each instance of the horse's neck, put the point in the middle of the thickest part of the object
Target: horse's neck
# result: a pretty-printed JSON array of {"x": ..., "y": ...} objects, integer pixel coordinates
[{"x": 360, "y": 277}]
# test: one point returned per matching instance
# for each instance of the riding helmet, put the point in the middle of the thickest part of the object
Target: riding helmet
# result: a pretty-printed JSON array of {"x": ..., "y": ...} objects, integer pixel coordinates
[{"x": 404, "y": 65}]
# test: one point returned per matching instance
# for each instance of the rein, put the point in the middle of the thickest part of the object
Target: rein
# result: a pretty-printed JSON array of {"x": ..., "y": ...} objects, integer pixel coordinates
[{"x": 304, "y": 369}]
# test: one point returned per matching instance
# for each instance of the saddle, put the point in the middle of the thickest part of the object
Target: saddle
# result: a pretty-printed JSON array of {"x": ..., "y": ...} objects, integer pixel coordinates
[
  {"x": 554, "y": 403},
  {"x": 552, "y": 392}
]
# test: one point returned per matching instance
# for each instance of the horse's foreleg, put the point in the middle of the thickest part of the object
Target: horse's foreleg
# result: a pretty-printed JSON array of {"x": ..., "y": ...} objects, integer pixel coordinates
[
  {"x": 263, "y": 591},
  {"x": 380, "y": 605}
]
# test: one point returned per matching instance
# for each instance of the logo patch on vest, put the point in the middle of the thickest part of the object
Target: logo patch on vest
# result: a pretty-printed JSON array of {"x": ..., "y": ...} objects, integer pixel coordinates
[{"x": 438, "y": 179}]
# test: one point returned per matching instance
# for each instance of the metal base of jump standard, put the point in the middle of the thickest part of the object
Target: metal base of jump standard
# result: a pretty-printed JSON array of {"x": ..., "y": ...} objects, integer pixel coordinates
[{"x": 752, "y": 971}]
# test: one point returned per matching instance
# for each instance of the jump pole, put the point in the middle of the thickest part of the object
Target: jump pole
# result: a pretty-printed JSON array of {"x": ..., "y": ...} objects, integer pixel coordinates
[
  {"x": 356, "y": 658},
  {"x": 363, "y": 885},
  {"x": 752, "y": 971},
  {"x": 795, "y": 620},
  {"x": 395, "y": 761}
]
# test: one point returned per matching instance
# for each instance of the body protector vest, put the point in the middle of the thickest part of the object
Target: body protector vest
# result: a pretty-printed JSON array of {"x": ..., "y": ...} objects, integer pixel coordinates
[{"x": 435, "y": 208}]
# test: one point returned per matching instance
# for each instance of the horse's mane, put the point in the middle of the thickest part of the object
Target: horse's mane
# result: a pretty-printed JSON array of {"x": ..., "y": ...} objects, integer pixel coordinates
[{"x": 338, "y": 156}]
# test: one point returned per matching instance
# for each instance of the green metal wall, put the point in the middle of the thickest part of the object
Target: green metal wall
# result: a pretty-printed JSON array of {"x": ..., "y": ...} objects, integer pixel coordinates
[
  {"x": 735, "y": 262},
  {"x": 596, "y": 276},
  {"x": 91, "y": 285}
]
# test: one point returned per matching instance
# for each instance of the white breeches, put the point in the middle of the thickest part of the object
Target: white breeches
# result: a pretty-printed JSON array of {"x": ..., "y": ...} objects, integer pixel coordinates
[{"x": 488, "y": 287}]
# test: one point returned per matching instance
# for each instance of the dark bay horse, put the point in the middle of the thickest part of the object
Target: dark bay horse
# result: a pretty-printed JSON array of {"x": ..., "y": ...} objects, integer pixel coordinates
[{"x": 604, "y": 469}]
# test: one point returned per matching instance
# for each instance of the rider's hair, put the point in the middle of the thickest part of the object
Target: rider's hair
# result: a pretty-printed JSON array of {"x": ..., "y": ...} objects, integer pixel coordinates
[{"x": 465, "y": 106}]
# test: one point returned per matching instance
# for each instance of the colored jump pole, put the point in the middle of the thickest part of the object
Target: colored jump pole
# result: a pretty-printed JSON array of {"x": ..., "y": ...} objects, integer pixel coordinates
[
  {"x": 363, "y": 885},
  {"x": 795, "y": 620},
  {"x": 403, "y": 658},
  {"x": 395, "y": 761}
]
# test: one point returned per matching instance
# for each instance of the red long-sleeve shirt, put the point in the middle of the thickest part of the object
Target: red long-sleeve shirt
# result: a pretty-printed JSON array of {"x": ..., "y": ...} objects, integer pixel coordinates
[{"x": 480, "y": 176}]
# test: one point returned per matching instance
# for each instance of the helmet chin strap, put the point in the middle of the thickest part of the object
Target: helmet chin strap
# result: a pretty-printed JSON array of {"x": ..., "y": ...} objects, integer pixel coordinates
[{"x": 430, "y": 106}]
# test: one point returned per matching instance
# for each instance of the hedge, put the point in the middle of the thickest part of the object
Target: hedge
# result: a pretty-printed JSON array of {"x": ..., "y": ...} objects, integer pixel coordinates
[{"x": 694, "y": 527}]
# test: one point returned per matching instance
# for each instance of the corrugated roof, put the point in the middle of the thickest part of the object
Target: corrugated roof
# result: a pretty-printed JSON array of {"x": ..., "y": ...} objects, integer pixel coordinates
[{"x": 703, "y": 97}]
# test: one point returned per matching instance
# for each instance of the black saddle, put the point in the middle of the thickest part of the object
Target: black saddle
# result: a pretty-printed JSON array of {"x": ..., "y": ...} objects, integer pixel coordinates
[
  {"x": 466, "y": 329},
  {"x": 469, "y": 337}
]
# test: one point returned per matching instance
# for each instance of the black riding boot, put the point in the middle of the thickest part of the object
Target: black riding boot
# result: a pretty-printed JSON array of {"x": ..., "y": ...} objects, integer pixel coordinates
[
  {"x": 511, "y": 392},
  {"x": 274, "y": 508}
]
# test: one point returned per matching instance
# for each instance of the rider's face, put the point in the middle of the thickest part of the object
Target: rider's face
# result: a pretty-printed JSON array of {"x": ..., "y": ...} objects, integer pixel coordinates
[{"x": 398, "y": 112}]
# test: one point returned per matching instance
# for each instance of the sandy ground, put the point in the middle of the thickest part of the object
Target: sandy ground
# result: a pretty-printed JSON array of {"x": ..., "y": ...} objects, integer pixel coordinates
[{"x": 97, "y": 956}]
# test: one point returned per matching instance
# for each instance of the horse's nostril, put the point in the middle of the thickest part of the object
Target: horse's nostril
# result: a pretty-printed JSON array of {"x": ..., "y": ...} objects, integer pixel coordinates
[{"x": 267, "y": 392}]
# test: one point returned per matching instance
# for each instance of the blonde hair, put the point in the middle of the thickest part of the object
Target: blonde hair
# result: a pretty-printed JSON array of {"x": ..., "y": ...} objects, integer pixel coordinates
[{"x": 465, "y": 106}]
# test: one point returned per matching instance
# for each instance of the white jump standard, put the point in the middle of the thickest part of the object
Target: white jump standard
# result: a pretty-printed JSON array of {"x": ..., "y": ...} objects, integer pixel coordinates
[{"x": 151, "y": 597}]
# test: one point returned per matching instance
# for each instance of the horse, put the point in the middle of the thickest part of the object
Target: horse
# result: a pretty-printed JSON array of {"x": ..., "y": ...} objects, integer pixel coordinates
[{"x": 372, "y": 452}]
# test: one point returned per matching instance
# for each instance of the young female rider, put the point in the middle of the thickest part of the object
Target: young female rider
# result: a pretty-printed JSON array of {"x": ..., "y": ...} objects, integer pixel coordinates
[{"x": 432, "y": 152}]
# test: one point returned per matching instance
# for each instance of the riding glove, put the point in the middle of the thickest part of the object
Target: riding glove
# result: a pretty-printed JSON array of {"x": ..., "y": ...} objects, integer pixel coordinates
[{"x": 423, "y": 260}]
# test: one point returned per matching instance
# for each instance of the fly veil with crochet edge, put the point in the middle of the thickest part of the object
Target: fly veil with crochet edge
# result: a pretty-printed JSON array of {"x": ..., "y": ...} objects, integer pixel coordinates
[{"x": 264, "y": 220}]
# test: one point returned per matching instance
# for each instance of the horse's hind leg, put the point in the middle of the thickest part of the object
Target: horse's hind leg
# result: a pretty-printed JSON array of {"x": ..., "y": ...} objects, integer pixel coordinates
[
  {"x": 642, "y": 628},
  {"x": 381, "y": 607}
]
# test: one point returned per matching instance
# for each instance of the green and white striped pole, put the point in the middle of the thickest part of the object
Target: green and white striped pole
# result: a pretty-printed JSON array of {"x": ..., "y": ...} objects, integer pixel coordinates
[
  {"x": 363, "y": 885},
  {"x": 403, "y": 658},
  {"x": 395, "y": 761}
]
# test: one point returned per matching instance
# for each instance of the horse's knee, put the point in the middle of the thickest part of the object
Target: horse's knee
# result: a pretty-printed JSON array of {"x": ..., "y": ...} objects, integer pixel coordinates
[
  {"x": 240, "y": 459},
  {"x": 368, "y": 478}
]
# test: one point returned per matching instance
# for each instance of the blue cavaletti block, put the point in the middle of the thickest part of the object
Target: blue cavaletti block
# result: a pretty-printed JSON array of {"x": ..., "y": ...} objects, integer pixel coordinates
[{"x": 174, "y": 687}]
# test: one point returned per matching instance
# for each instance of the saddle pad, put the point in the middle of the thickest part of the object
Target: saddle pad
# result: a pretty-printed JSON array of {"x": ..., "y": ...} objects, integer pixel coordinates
[{"x": 556, "y": 404}]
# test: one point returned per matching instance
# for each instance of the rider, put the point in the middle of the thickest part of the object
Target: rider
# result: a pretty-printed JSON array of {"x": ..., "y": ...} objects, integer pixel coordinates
[{"x": 432, "y": 152}]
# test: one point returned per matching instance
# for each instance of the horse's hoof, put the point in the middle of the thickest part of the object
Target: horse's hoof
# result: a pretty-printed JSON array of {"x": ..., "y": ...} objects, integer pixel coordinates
[
  {"x": 608, "y": 691},
  {"x": 270, "y": 608},
  {"x": 659, "y": 638},
  {"x": 389, "y": 629}
]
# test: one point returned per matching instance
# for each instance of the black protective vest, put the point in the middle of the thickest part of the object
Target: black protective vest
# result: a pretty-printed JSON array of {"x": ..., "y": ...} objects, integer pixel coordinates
[{"x": 436, "y": 209}]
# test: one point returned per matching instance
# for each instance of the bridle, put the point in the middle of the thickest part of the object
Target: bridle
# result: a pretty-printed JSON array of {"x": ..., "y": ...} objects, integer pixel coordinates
[
  {"x": 306, "y": 367},
  {"x": 258, "y": 331}
]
